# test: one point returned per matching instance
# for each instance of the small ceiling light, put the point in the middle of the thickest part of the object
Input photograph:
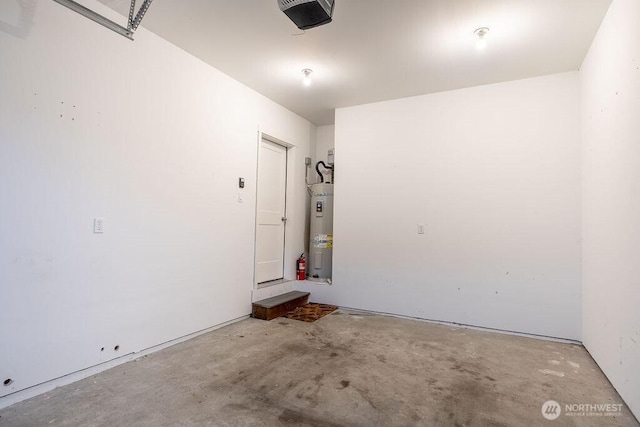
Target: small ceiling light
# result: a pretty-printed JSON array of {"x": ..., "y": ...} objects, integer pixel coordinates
[
  {"x": 481, "y": 33},
  {"x": 307, "y": 76}
]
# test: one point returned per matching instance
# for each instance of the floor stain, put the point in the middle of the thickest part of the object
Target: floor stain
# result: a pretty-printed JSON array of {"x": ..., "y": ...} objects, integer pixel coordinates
[
  {"x": 550, "y": 372},
  {"x": 296, "y": 418}
]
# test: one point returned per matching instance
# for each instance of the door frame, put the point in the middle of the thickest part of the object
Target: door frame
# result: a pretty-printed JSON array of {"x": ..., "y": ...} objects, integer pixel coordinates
[{"x": 287, "y": 147}]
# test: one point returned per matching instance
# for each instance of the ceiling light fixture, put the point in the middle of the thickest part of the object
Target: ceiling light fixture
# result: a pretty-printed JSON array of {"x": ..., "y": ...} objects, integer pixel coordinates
[
  {"x": 307, "y": 76},
  {"x": 481, "y": 33}
]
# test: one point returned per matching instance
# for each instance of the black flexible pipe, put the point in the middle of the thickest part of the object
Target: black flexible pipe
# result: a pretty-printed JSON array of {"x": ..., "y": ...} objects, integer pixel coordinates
[{"x": 318, "y": 169}]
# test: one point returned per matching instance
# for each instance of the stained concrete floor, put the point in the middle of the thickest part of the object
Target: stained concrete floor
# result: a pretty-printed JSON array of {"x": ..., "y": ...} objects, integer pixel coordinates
[{"x": 347, "y": 369}]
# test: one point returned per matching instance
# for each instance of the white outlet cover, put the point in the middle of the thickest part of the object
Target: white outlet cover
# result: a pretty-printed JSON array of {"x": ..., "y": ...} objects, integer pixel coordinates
[{"x": 98, "y": 225}]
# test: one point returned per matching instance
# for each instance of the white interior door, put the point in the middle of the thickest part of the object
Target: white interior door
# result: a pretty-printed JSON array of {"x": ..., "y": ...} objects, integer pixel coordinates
[{"x": 271, "y": 205}]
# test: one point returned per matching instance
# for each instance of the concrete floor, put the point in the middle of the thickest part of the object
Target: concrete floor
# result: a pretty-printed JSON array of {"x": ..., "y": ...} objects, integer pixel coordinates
[{"x": 347, "y": 369}]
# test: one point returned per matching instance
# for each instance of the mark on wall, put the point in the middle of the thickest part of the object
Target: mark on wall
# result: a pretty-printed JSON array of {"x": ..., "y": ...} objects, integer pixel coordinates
[
  {"x": 35, "y": 265},
  {"x": 66, "y": 111}
]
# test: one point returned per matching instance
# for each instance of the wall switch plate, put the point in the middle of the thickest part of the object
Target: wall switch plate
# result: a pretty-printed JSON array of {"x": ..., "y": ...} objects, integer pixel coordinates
[
  {"x": 240, "y": 198},
  {"x": 420, "y": 228},
  {"x": 98, "y": 225}
]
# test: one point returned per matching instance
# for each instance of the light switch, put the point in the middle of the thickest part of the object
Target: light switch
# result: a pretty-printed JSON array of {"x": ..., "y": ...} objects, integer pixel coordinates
[
  {"x": 240, "y": 198},
  {"x": 98, "y": 225},
  {"x": 420, "y": 228}
]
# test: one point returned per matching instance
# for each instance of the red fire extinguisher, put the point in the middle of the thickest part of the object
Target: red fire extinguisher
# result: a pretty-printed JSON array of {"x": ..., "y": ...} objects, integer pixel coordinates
[{"x": 302, "y": 268}]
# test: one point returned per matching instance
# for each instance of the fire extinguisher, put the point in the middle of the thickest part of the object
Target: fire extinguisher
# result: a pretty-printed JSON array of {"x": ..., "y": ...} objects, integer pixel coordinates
[{"x": 302, "y": 268}]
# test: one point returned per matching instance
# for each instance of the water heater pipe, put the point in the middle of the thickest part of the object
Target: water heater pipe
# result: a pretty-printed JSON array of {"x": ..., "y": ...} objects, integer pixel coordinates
[{"x": 318, "y": 169}]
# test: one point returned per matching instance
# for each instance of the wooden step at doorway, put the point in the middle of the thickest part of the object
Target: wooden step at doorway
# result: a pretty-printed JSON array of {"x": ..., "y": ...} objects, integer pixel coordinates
[{"x": 273, "y": 307}]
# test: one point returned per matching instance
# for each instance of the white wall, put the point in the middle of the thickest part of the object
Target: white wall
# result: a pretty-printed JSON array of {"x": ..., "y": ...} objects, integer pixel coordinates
[
  {"x": 153, "y": 140},
  {"x": 610, "y": 78},
  {"x": 494, "y": 173}
]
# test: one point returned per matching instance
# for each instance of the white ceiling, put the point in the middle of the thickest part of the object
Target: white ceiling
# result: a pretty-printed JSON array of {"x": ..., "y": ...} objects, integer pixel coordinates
[{"x": 377, "y": 50}]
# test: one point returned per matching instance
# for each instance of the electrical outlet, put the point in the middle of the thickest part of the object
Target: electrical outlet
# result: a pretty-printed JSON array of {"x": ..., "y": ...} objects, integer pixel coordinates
[
  {"x": 420, "y": 228},
  {"x": 98, "y": 225}
]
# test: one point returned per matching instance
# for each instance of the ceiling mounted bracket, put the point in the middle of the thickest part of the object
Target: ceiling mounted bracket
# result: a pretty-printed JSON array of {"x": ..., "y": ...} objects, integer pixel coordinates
[{"x": 132, "y": 24}]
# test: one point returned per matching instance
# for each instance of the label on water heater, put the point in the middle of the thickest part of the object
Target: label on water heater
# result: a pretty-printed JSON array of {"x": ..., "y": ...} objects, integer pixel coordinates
[{"x": 323, "y": 241}]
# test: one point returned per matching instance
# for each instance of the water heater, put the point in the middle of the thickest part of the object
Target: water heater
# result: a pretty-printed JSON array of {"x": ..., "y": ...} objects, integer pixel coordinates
[{"x": 321, "y": 231}]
